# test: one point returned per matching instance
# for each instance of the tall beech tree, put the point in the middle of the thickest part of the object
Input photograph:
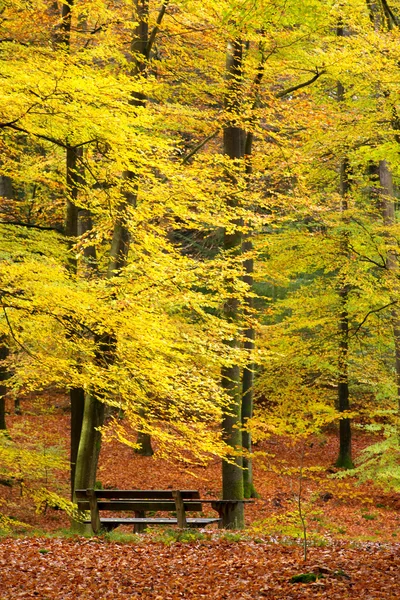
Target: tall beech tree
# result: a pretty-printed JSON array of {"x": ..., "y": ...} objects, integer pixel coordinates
[{"x": 232, "y": 475}]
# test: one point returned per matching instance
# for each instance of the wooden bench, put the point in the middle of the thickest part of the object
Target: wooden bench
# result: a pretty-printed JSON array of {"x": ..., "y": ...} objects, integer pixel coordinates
[{"x": 141, "y": 501}]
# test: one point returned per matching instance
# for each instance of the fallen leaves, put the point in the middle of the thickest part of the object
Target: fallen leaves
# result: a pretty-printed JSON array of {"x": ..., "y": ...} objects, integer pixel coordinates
[{"x": 53, "y": 569}]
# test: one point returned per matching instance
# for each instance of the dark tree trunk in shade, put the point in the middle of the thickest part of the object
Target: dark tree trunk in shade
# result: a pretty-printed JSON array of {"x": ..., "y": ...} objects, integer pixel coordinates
[
  {"x": 77, "y": 399},
  {"x": 232, "y": 472},
  {"x": 4, "y": 374},
  {"x": 144, "y": 442},
  {"x": 387, "y": 205},
  {"x": 121, "y": 234},
  {"x": 6, "y": 191},
  {"x": 344, "y": 459},
  {"x": 89, "y": 257},
  {"x": 73, "y": 181},
  {"x": 248, "y": 383}
]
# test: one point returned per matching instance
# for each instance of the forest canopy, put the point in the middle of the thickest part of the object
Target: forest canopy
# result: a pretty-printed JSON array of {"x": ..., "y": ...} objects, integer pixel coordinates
[{"x": 198, "y": 216}]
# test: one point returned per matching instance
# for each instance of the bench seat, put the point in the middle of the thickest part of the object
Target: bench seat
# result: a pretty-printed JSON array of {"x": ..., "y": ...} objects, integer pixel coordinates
[{"x": 113, "y": 522}]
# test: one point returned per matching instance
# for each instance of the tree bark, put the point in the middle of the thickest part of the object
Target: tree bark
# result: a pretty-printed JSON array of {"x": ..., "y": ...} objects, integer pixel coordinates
[
  {"x": 4, "y": 352},
  {"x": 77, "y": 395},
  {"x": 248, "y": 383},
  {"x": 139, "y": 56},
  {"x": 74, "y": 180},
  {"x": 344, "y": 459},
  {"x": 232, "y": 471},
  {"x": 77, "y": 399},
  {"x": 144, "y": 439},
  {"x": 89, "y": 258},
  {"x": 88, "y": 449},
  {"x": 389, "y": 218},
  {"x": 89, "y": 443},
  {"x": 6, "y": 190}
]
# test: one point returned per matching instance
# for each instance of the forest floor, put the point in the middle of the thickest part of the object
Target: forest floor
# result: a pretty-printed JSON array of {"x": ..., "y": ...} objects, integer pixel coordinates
[{"x": 353, "y": 531}]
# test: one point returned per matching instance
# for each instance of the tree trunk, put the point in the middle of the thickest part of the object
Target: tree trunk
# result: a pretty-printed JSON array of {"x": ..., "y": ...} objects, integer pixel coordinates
[
  {"x": 77, "y": 399},
  {"x": 248, "y": 383},
  {"x": 144, "y": 442},
  {"x": 89, "y": 443},
  {"x": 232, "y": 472},
  {"x": 88, "y": 450},
  {"x": 121, "y": 235},
  {"x": 344, "y": 459},
  {"x": 389, "y": 219},
  {"x": 73, "y": 180},
  {"x": 89, "y": 258},
  {"x": 144, "y": 439},
  {"x": 6, "y": 190},
  {"x": 4, "y": 352}
]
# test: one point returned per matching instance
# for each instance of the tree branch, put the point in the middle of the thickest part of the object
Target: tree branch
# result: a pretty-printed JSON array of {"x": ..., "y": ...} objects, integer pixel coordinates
[
  {"x": 389, "y": 14},
  {"x": 199, "y": 146},
  {"x": 371, "y": 312},
  {"x": 294, "y": 88},
  {"x": 13, "y": 335},
  {"x": 156, "y": 27},
  {"x": 41, "y": 136},
  {"x": 32, "y": 226},
  {"x": 364, "y": 258}
]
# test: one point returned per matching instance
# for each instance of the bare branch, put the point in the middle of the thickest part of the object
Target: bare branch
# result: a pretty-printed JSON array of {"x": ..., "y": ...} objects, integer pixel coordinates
[
  {"x": 294, "y": 88},
  {"x": 368, "y": 259},
  {"x": 371, "y": 312},
  {"x": 32, "y": 226},
  {"x": 390, "y": 16},
  {"x": 156, "y": 27},
  {"x": 13, "y": 335},
  {"x": 199, "y": 147}
]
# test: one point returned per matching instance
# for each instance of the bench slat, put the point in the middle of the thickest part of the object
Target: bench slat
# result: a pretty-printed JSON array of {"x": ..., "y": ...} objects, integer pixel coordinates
[
  {"x": 139, "y": 494},
  {"x": 154, "y": 521},
  {"x": 156, "y": 505}
]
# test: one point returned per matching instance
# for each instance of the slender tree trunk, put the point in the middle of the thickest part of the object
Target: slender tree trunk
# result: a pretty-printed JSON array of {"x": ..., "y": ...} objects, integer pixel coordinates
[
  {"x": 141, "y": 45},
  {"x": 88, "y": 450},
  {"x": 90, "y": 442},
  {"x": 77, "y": 395},
  {"x": 389, "y": 218},
  {"x": 232, "y": 471},
  {"x": 344, "y": 459},
  {"x": 73, "y": 180},
  {"x": 89, "y": 258},
  {"x": 249, "y": 333},
  {"x": 87, "y": 410},
  {"x": 6, "y": 191},
  {"x": 121, "y": 235},
  {"x": 4, "y": 352},
  {"x": 248, "y": 383},
  {"x": 77, "y": 399}
]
